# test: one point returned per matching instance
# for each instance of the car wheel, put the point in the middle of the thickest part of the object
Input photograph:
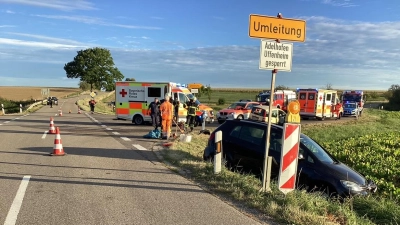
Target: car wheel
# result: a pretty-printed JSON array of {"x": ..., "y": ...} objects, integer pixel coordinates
[
  {"x": 138, "y": 120},
  {"x": 240, "y": 117}
]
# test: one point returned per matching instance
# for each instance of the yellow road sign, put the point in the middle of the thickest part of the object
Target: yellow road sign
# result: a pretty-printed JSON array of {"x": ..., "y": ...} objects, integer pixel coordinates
[
  {"x": 92, "y": 94},
  {"x": 277, "y": 28}
]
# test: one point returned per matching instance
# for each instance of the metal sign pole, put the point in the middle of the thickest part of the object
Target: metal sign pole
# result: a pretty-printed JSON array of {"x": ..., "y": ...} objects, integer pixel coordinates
[{"x": 266, "y": 182}]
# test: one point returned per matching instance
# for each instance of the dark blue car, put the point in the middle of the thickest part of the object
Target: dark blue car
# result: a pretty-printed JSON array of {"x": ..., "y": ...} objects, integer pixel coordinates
[{"x": 244, "y": 146}]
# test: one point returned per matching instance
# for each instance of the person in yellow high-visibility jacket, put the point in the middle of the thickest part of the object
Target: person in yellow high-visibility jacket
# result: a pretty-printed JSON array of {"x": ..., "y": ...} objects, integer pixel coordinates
[{"x": 167, "y": 111}]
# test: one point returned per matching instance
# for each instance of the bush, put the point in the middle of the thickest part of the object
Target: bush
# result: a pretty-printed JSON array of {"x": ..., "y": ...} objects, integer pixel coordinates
[{"x": 221, "y": 101}]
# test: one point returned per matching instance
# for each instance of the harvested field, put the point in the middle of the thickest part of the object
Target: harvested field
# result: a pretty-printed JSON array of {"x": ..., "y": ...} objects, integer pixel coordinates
[{"x": 28, "y": 93}]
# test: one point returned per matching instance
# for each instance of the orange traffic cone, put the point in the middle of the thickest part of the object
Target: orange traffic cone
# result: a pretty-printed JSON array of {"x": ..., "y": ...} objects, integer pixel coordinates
[
  {"x": 58, "y": 149},
  {"x": 52, "y": 130}
]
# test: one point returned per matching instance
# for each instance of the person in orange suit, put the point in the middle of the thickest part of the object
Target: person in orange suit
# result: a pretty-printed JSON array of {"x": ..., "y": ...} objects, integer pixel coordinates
[{"x": 167, "y": 111}]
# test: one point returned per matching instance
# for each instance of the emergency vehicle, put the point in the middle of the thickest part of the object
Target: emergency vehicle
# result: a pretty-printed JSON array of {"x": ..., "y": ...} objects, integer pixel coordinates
[
  {"x": 132, "y": 100},
  {"x": 354, "y": 96},
  {"x": 281, "y": 98},
  {"x": 319, "y": 103}
]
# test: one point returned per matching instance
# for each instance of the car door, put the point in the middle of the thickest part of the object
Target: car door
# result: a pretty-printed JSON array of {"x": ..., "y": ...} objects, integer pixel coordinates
[
  {"x": 230, "y": 147},
  {"x": 274, "y": 116},
  {"x": 250, "y": 144},
  {"x": 275, "y": 149}
]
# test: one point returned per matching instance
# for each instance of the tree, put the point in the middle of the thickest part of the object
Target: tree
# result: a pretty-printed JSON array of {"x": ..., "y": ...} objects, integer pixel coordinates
[
  {"x": 328, "y": 86},
  {"x": 282, "y": 87},
  {"x": 130, "y": 79},
  {"x": 84, "y": 86},
  {"x": 94, "y": 66},
  {"x": 389, "y": 93}
]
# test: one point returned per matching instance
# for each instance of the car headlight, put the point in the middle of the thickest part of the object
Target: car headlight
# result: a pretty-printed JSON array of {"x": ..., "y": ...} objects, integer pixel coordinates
[{"x": 351, "y": 185}]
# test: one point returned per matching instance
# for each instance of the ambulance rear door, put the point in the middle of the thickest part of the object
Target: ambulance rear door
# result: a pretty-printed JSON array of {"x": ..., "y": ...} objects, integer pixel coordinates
[
  {"x": 307, "y": 102},
  {"x": 328, "y": 103}
]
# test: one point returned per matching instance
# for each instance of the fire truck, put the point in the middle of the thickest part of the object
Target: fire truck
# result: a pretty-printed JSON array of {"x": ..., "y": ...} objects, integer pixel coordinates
[
  {"x": 319, "y": 103},
  {"x": 354, "y": 96},
  {"x": 281, "y": 98}
]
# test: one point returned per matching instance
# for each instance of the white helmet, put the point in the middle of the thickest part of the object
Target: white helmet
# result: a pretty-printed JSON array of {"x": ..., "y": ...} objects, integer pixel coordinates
[{"x": 167, "y": 96}]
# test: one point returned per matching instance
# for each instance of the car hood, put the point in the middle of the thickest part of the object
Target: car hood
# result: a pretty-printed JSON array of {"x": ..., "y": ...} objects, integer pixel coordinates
[
  {"x": 344, "y": 172},
  {"x": 228, "y": 110}
]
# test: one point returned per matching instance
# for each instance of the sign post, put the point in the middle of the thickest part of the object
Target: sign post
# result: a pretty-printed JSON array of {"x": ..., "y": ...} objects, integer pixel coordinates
[{"x": 274, "y": 56}]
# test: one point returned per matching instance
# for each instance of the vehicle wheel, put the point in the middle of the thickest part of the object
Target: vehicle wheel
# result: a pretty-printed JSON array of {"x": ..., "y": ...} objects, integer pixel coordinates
[
  {"x": 240, "y": 117},
  {"x": 278, "y": 106},
  {"x": 221, "y": 121},
  {"x": 138, "y": 120}
]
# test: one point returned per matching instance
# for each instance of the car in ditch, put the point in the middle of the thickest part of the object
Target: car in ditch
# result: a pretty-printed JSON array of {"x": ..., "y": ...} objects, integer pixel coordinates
[
  {"x": 243, "y": 144},
  {"x": 237, "y": 110}
]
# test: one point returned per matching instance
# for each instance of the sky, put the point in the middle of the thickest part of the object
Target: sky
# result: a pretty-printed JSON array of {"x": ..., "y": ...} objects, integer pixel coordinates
[{"x": 350, "y": 44}]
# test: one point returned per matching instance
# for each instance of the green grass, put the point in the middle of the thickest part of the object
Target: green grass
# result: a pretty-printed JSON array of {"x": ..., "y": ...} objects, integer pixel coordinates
[
  {"x": 299, "y": 207},
  {"x": 102, "y": 103}
]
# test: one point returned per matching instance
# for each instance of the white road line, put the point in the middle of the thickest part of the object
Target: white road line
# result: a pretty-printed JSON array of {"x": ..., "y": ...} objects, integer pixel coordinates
[
  {"x": 139, "y": 147},
  {"x": 125, "y": 139},
  {"x": 44, "y": 135},
  {"x": 17, "y": 118},
  {"x": 108, "y": 128},
  {"x": 103, "y": 125},
  {"x": 116, "y": 133},
  {"x": 1, "y": 124},
  {"x": 95, "y": 120},
  {"x": 12, "y": 215},
  {"x": 7, "y": 122}
]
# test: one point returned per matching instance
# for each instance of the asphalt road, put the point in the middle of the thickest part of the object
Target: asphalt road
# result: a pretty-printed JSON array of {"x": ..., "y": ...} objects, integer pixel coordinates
[{"x": 107, "y": 177}]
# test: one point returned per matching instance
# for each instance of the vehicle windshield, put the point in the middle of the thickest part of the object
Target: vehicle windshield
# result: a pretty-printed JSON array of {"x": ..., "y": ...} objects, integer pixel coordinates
[
  {"x": 237, "y": 104},
  {"x": 354, "y": 98},
  {"x": 265, "y": 97},
  {"x": 350, "y": 105},
  {"x": 316, "y": 150},
  {"x": 192, "y": 96}
]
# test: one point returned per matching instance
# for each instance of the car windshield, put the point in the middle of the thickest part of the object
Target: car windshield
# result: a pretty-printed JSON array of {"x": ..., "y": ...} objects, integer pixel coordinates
[
  {"x": 191, "y": 96},
  {"x": 237, "y": 104},
  {"x": 349, "y": 105},
  {"x": 355, "y": 98},
  {"x": 316, "y": 150}
]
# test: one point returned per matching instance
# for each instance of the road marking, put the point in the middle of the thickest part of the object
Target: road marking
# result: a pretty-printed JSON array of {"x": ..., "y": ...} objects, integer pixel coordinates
[
  {"x": 12, "y": 215},
  {"x": 103, "y": 125},
  {"x": 7, "y": 122},
  {"x": 125, "y": 139},
  {"x": 139, "y": 147},
  {"x": 108, "y": 128},
  {"x": 95, "y": 120},
  {"x": 116, "y": 133},
  {"x": 44, "y": 135},
  {"x": 17, "y": 118},
  {"x": 1, "y": 124}
]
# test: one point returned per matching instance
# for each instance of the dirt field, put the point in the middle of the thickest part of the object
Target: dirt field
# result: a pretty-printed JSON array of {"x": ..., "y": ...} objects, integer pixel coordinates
[{"x": 27, "y": 93}]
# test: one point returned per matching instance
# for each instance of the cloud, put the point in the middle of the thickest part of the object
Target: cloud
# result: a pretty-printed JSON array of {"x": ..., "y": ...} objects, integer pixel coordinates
[
  {"x": 55, "y": 4},
  {"x": 4, "y": 26},
  {"x": 347, "y": 54},
  {"x": 96, "y": 21},
  {"x": 10, "y": 12},
  {"x": 36, "y": 44},
  {"x": 339, "y": 3},
  {"x": 46, "y": 38}
]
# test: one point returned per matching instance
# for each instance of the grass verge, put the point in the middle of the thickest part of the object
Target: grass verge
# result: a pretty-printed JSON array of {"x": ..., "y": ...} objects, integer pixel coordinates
[
  {"x": 297, "y": 207},
  {"x": 101, "y": 106}
]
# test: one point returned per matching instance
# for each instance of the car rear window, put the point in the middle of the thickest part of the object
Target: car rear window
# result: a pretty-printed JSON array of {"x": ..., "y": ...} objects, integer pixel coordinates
[{"x": 251, "y": 134}]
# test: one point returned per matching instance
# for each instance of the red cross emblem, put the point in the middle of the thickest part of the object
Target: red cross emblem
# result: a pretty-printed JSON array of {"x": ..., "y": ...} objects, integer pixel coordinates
[
  {"x": 320, "y": 97},
  {"x": 123, "y": 92}
]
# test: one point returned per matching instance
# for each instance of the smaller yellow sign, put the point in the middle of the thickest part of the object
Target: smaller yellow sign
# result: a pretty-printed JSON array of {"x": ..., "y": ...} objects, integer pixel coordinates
[
  {"x": 277, "y": 28},
  {"x": 92, "y": 94}
]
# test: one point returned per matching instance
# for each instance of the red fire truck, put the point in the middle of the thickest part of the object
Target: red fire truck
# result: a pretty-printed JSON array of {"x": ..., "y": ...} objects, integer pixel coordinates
[
  {"x": 281, "y": 98},
  {"x": 350, "y": 96}
]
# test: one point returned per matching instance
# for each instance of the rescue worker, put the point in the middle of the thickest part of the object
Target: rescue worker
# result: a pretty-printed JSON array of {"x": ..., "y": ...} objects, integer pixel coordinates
[
  {"x": 176, "y": 110},
  {"x": 51, "y": 103},
  {"x": 167, "y": 111},
  {"x": 191, "y": 107},
  {"x": 92, "y": 103},
  {"x": 154, "y": 112}
]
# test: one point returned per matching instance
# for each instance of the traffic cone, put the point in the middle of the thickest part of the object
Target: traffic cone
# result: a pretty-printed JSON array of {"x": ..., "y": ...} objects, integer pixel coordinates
[
  {"x": 52, "y": 130},
  {"x": 60, "y": 113},
  {"x": 58, "y": 149}
]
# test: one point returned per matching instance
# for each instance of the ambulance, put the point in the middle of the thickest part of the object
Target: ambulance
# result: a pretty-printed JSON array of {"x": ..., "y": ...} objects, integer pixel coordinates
[
  {"x": 132, "y": 100},
  {"x": 281, "y": 98},
  {"x": 319, "y": 103}
]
